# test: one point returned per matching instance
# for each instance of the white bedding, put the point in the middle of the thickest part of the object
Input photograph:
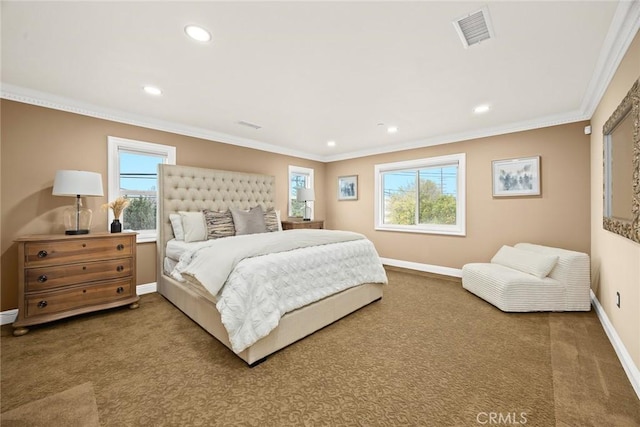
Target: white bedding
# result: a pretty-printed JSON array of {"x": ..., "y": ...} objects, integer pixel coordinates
[{"x": 258, "y": 278}]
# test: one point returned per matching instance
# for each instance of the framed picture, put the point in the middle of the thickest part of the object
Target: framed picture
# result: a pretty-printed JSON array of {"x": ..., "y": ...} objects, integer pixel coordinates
[
  {"x": 516, "y": 177},
  {"x": 348, "y": 187}
]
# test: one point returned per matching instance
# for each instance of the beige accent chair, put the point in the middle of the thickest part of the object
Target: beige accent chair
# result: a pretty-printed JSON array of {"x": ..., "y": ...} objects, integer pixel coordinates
[{"x": 531, "y": 277}]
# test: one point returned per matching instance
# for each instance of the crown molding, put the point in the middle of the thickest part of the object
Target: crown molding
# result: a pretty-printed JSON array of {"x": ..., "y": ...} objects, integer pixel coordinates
[
  {"x": 624, "y": 26},
  {"x": 47, "y": 100},
  {"x": 548, "y": 121}
]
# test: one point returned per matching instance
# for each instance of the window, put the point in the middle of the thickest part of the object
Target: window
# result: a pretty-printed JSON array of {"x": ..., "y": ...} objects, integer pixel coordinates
[
  {"x": 133, "y": 173},
  {"x": 299, "y": 177},
  {"x": 422, "y": 196}
]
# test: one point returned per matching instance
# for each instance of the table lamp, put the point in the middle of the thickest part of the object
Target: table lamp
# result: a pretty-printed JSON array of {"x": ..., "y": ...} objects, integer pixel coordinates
[
  {"x": 306, "y": 195},
  {"x": 77, "y": 218}
]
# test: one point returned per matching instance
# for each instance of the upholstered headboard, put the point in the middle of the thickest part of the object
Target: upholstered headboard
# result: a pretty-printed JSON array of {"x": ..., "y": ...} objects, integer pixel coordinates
[{"x": 187, "y": 188}]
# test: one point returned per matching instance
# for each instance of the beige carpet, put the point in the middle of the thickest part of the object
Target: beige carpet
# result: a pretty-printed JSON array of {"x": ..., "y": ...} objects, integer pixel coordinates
[
  {"x": 428, "y": 354},
  {"x": 75, "y": 407}
]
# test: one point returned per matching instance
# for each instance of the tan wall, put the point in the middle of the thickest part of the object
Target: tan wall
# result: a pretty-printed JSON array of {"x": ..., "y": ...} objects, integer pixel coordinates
[
  {"x": 615, "y": 260},
  {"x": 36, "y": 141},
  {"x": 560, "y": 217}
]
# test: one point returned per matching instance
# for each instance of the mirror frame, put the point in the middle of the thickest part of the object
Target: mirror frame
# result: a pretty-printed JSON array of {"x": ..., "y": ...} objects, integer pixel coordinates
[{"x": 629, "y": 105}]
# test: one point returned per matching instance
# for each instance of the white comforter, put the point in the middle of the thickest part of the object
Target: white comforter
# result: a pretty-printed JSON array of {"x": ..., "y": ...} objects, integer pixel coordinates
[{"x": 258, "y": 278}]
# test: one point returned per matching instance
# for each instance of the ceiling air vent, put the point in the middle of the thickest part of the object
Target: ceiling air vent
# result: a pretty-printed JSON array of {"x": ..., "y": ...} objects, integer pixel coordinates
[
  {"x": 474, "y": 27},
  {"x": 249, "y": 124}
]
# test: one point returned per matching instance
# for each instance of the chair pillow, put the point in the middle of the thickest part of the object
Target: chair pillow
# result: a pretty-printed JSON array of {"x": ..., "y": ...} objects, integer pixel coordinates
[{"x": 529, "y": 262}]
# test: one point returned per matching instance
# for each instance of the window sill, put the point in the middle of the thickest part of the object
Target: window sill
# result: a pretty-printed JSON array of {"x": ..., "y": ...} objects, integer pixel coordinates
[
  {"x": 418, "y": 230},
  {"x": 145, "y": 239}
]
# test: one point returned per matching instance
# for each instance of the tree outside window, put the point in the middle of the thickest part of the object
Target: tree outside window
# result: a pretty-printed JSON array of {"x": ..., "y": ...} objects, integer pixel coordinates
[{"x": 423, "y": 195}]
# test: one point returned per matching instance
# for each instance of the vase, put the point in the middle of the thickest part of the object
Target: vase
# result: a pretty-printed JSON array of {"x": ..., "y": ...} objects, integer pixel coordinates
[{"x": 116, "y": 226}]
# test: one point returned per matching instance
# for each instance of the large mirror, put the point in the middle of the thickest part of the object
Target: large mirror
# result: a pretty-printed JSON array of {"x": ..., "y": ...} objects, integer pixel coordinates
[{"x": 622, "y": 167}]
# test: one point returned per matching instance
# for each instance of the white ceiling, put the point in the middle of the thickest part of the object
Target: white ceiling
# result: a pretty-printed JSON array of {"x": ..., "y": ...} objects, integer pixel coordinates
[{"x": 309, "y": 72}]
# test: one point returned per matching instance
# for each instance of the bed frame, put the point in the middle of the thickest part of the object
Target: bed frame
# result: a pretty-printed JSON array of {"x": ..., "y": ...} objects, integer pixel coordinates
[{"x": 185, "y": 188}]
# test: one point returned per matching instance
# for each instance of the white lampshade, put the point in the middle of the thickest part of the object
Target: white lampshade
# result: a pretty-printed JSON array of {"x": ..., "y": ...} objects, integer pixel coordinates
[
  {"x": 305, "y": 195},
  {"x": 77, "y": 183},
  {"x": 77, "y": 218}
]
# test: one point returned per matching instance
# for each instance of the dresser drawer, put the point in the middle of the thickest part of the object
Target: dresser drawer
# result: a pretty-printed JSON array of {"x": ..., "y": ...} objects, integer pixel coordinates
[
  {"x": 77, "y": 297},
  {"x": 43, "y": 278},
  {"x": 76, "y": 250}
]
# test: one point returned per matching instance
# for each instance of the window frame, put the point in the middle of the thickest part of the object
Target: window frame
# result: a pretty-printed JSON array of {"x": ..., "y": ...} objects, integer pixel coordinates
[
  {"x": 301, "y": 171},
  {"x": 459, "y": 229},
  {"x": 114, "y": 146}
]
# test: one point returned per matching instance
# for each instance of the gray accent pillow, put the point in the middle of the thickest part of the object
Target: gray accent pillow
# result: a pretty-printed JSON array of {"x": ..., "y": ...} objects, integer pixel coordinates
[
  {"x": 219, "y": 224},
  {"x": 250, "y": 222}
]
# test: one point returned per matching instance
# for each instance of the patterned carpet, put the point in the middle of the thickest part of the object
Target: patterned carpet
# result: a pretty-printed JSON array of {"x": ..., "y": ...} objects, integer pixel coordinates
[{"x": 428, "y": 354}]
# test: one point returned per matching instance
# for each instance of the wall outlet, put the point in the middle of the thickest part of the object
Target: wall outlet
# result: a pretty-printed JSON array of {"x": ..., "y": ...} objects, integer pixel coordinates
[{"x": 618, "y": 299}]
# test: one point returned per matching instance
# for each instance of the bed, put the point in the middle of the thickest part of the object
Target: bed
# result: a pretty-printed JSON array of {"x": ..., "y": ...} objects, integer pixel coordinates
[{"x": 192, "y": 189}]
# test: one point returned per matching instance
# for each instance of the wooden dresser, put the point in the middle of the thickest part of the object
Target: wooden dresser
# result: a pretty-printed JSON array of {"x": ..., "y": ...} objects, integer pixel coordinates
[
  {"x": 292, "y": 225},
  {"x": 65, "y": 275}
]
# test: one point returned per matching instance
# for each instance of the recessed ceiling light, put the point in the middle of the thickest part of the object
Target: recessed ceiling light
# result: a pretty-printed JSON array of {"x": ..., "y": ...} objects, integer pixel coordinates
[
  {"x": 197, "y": 33},
  {"x": 392, "y": 129},
  {"x": 152, "y": 90},
  {"x": 331, "y": 143},
  {"x": 481, "y": 109}
]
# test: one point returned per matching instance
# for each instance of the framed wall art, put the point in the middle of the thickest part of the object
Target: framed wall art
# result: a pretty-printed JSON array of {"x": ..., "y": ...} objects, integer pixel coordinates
[
  {"x": 516, "y": 177},
  {"x": 348, "y": 187}
]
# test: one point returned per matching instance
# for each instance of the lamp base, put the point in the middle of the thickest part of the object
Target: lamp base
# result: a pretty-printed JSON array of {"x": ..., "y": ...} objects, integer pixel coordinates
[{"x": 76, "y": 232}]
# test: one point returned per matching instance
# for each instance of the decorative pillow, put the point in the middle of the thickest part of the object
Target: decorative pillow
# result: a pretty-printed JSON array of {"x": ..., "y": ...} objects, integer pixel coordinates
[
  {"x": 176, "y": 224},
  {"x": 529, "y": 262},
  {"x": 271, "y": 220},
  {"x": 249, "y": 222},
  {"x": 219, "y": 224},
  {"x": 279, "y": 220},
  {"x": 195, "y": 229}
]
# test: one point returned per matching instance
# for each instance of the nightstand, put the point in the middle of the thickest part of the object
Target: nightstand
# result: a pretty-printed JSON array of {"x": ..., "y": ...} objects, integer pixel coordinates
[
  {"x": 292, "y": 225},
  {"x": 65, "y": 275}
]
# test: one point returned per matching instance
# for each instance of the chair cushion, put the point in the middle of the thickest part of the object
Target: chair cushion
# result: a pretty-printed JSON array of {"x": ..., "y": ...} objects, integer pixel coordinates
[
  {"x": 536, "y": 264},
  {"x": 512, "y": 290}
]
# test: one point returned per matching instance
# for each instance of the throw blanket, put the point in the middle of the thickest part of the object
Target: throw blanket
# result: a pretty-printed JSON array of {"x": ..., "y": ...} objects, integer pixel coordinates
[{"x": 210, "y": 266}]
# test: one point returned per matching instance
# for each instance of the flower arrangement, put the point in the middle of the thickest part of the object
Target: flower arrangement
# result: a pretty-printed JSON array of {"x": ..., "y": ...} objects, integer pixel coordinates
[{"x": 117, "y": 206}]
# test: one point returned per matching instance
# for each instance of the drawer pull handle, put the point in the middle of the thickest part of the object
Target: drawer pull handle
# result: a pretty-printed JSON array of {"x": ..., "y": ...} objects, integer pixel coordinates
[
  {"x": 120, "y": 268},
  {"x": 42, "y": 254},
  {"x": 120, "y": 289},
  {"x": 42, "y": 278},
  {"x": 42, "y": 304},
  {"x": 120, "y": 247}
]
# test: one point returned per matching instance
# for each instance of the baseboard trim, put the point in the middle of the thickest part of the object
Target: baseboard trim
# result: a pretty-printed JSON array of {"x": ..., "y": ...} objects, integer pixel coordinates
[
  {"x": 632, "y": 371},
  {"x": 427, "y": 268},
  {"x": 10, "y": 316},
  {"x": 147, "y": 288}
]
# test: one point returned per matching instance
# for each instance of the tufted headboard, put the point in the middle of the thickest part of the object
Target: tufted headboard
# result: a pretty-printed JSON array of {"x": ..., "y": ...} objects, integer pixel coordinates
[{"x": 187, "y": 188}]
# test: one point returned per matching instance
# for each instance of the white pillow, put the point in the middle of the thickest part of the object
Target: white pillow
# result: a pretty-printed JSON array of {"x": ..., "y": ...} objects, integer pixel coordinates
[
  {"x": 194, "y": 226},
  {"x": 176, "y": 224},
  {"x": 279, "y": 220},
  {"x": 529, "y": 262}
]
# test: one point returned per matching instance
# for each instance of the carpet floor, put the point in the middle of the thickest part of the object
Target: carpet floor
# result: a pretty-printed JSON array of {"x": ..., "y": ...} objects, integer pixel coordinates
[{"x": 428, "y": 354}]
